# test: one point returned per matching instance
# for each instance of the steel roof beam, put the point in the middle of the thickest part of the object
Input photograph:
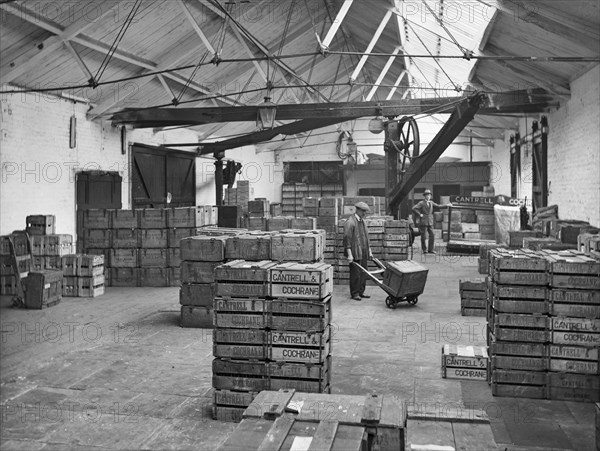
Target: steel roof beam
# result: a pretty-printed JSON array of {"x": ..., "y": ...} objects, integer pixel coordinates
[{"x": 369, "y": 48}]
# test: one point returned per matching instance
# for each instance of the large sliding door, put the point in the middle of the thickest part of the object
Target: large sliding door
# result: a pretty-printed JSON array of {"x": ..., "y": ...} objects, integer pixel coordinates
[{"x": 162, "y": 178}]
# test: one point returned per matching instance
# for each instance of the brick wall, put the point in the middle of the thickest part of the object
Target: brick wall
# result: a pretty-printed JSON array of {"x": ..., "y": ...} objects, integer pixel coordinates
[
  {"x": 574, "y": 151},
  {"x": 37, "y": 167}
]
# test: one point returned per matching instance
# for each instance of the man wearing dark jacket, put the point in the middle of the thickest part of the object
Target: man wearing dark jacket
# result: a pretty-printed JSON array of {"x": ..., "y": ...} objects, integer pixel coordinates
[
  {"x": 357, "y": 250},
  {"x": 424, "y": 218}
]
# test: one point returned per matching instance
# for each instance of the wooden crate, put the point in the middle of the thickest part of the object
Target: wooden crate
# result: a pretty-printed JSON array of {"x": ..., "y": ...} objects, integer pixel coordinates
[
  {"x": 277, "y": 223},
  {"x": 241, "y": 270},
  {"x": 382, "y": 416},
  {"x": 43, "y": 289},
  {"x": 203, "y": 248},
  {"x": 174, "y": 257},
  {"x": 196, "y": 317},
  {"x": 246, "y": 375},
  {"x": 575, "y": 303},
  {"x": 125, "y": 238},
  {"x": 154, "y": 277},
  {"x": 174, "y": 236},
  {"x": 70, "y": 287},
  {"x": 96, "y": 218},
  {"x": 515, "y": 238},
  {"x": 91, "y": 287},
  {"x": 197, "y": 294},
  {"x": 174, "y": 277},
  {"x": 464, "y": 362},
  {"x": 405, "y": 277},
  {"x": 97, "y": 239},
  {"x": 58, "y": 245},
  {"x": 248, "y": 247},
  {"x": 297, "y": 246},
  {"x": 573, "y": 387},
  {"x": 300, "y": 315},
  {"x": 181, "y": 217},
  {"x": 256, "y": 224},
  {"x": 124, "y": 219},
  {"x": 154, "y": 238},
  {"x": 240, "y": 313},
  {"x": 53, "y": 262},
  {"x": 153, "y": 258},
  {"x": 8, "y": 285},
  {"x": 198, "y": 272},
  {"x": 519, "y": 299},
  {"x": 301, "y": 281},
  {"x": 70, "y": 265},
  {"x": 125, "y": 277},
  {"x": 569, "y": 270},
  {"x": 124, "y": 258},
  {"x": 91, "y": 265},
  {"x": 573, "y": 359},
  {"x": 153, "y": 218}
]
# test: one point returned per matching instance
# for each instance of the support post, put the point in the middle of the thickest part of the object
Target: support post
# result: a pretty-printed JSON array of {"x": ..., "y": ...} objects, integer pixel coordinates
[{"x": 219, "y": 177}]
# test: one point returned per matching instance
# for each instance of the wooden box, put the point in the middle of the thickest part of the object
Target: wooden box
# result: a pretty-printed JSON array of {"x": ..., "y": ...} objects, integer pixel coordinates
[
  {"x": 125, "y": 277},
  {"x": 70, "y": 265},
  {"x": 153, "y": 218},
  {"x": 244, "y": 271},
  {"x": 91, "y": 287},
  {"x": 91, "y": 265},
  {"x": 174, "y": 257},
  {"x": 154, "y": 238},
  {"x": 43, "y": 289},
  {"x": 196, "y": 317},
  {"x": 198, "y": 272},
  {"x": 154, "y": 277},
  {"x": 575, "y": 303},
  {"x": 464, "y": 362},
  {"x": 70, "y": 287},
  {"x": 573, "y": 387},
  {"x": 405, "y": 278},
  {"x": 174, "y": 236},
  {"x": 125, "y": 239},
  {"x": 97, "y": 239},
  {"x": 124, "y": 219},
  {"x": 515, "y": 238},
  {"x": 203, "y": 248},
  {"x": 248, "y": 247},
  {"x": 197, "y": 294},
  {"x": 301, "y": 281},
  {"x": 124, "y": 258},
  {"x": 53, "y": 262},
  {"x": 303, "y": 223},
  {"x": 302, "y": 247},
  {"x": 96, "y": 218},
  {"x": 300, "y": 315},
  {"x": 38, "y": 243},
  {"x": 256, "y": 224},
  {"x": 153, "y": 258},
  {"x": 58, "y": 245},
  {"x": 277, "y": 223},
  {"x": 181, "y": 217}
]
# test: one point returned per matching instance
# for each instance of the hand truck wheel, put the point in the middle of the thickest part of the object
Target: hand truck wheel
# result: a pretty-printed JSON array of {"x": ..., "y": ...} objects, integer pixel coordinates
[
  {"x": 390, "y": 302},
  {"x": 412, "y": 300}
]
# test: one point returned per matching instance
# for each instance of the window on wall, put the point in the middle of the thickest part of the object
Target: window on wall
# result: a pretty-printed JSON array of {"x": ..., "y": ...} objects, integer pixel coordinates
[{"x": 313, "y": 172}]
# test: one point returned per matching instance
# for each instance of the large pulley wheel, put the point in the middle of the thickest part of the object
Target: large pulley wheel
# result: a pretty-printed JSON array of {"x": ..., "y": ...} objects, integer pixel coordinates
[{"x": 409, "y": 137}]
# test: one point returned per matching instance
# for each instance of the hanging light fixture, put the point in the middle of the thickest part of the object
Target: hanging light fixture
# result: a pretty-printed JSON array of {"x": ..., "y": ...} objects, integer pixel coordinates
[
  {"x": 266, "y": 114},
  {"x": 376, "y": 124}
]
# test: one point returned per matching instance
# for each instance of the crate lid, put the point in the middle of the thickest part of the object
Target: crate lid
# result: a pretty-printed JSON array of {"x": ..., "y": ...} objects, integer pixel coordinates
[{"x": 465, "y": 351}]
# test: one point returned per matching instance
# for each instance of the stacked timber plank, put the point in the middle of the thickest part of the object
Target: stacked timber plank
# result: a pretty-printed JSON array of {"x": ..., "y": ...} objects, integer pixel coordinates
[
  {"x": 473, "y": 297},
  {"x": 288, "y": 419},
  {"x": 544, "y": 324},
  {"x": 200, "y": 255},
  {"x": 272, "y": 328},
  {"x": 83, "y": 275}
]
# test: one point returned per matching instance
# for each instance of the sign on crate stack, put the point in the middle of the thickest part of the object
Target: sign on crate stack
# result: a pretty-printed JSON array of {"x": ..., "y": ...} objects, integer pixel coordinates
[{"x": 272, "y": 320}]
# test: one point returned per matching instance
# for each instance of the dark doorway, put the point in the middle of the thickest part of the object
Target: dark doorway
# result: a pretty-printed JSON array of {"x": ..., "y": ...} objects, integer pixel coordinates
[{"x": 445, "y": 190}]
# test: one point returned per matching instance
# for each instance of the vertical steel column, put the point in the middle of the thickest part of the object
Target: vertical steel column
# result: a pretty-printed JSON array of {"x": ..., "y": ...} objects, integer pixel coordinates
[{"x": 219, "y": 177}]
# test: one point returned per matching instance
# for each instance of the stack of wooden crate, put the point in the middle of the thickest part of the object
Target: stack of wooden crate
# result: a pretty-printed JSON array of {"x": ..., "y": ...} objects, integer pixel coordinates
[
  {"x": 291, "y": 198},
  {"x": 258, "y": 214},
  {"x": 83, "y": 275},
  {"x": 23, "y": 257},
  {"x": 329, "y": 209},
  {"x": 240, "y": 196},
  {"x": 396, "y": 239},
  {"x": 40, "y": 225},
  {"x": 272, "y": 321},
  {"x": 47, "y": 250},
  {"x": 545, "y": 324},
  {"x": 589, "y": 244},
  {"x": 141, "y": 247},
  {"x": 473, "y": 297},
  {"x": 487, "y": 224},
  {"x": 574, "y": 304},
  {"x": 518, "y": 323},
  {"x": 200, "y": 255},
  {"x": 484, "y": 258}
]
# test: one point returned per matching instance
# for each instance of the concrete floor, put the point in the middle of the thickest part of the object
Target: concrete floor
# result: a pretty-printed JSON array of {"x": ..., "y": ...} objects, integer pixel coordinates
[{"x": 116, "y": 372}]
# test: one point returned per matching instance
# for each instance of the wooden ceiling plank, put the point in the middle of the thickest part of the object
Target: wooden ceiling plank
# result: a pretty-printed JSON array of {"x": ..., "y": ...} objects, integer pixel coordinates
[
  {"x": 197, "y": 28},
  {"x": 167, "y": 88},
  {"x": 396, "y": 84},
  {"x": 336, "y": 24},
  {"x": 383, "y": 73},
  {"x": 552, "y": 21},
  {"x": 122, "y": 93},
  {"x": 31, "y": 59},
  {"x": 86, "y": 71},
  {"x": 372, "y": 43}
]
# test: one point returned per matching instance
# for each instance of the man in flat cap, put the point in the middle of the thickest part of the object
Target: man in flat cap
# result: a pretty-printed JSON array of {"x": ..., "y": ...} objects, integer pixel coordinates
[
  {"x": 357, "y": 250},
  {"x": 424, "y": 218}
]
